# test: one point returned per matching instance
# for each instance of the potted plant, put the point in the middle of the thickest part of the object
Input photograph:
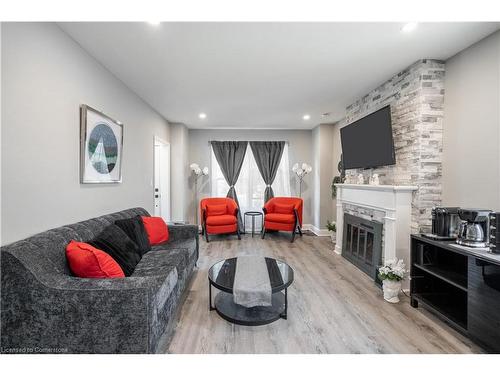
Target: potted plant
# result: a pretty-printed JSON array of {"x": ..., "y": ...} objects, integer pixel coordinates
[
  {"x": 332, "y": 227},
  {"x": 391, "y": 274},
  {"x": 338, "y": 179}
]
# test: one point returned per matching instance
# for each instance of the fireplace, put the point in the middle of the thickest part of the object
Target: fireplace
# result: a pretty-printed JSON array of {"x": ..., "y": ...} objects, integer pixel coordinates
[
  {"x": 390, "y": 207},
  {"x": 362, "y": 244}
]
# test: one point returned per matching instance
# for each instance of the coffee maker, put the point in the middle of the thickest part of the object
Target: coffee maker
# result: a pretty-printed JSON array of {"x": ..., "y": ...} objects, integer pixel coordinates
[
  {"x": 474, "y": 230},
  {"x": 445, "y": 222},
  {"x": 495, "y": 232}
]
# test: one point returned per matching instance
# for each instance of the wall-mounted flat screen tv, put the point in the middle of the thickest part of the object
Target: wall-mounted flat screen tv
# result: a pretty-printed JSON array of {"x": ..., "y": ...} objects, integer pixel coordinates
[{"x": 368, "y": 142}]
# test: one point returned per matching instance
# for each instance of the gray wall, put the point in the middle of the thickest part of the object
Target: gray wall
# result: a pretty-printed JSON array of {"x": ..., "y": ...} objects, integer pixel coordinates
[
  {"x": 471, "y": 138},
  {"x": 300, "y": 150},
  {"x": 1, "y": 127},
  {"x": 179, "y": 167},
  {"x": 323, "y": 137},
  {"x": 416, "y": 97},
  {"x": 337, "y": 152},
  {"x": 45, "y": 78},
  {"x": 471, "y": 127}
]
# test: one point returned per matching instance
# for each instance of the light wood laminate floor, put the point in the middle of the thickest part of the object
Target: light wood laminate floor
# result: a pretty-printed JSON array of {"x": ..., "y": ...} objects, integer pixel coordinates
[{"x": 333, "y": 308}]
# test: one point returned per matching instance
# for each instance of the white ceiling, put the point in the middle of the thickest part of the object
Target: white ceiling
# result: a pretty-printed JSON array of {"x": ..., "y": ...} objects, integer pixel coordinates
[{"x": 263, "y": 75}]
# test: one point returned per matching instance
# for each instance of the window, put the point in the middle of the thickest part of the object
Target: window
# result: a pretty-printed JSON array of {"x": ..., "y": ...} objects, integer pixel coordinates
[{"x": 250, "y": 186}]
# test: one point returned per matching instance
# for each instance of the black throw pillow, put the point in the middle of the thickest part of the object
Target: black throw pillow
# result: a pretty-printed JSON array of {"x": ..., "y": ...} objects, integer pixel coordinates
[
  {"x": 122, "y": 249},
  {"x": 134, "y": 227}
]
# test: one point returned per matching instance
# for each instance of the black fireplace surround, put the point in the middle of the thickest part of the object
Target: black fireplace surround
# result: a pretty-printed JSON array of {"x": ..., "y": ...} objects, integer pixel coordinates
[{"x": 362, "y": 243}]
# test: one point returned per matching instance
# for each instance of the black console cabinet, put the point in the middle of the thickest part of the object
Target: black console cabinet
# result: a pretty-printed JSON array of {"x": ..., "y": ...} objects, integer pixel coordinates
[
  {"x": 484, "y": 303},
  {"x": 460, "y": 286}
]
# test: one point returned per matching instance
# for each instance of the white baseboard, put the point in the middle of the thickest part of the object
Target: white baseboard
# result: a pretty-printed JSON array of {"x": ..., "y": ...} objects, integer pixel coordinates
[{"x": 318, "y": 232}]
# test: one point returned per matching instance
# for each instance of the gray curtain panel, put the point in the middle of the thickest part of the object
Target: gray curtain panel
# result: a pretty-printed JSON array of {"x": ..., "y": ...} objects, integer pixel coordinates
[
  {"x": 230, "y": 156},
  {"x": 268, "y": 157}
]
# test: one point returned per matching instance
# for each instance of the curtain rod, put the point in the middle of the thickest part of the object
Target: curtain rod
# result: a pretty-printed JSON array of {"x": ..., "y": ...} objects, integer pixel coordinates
[{"x": 233, "y": 140}]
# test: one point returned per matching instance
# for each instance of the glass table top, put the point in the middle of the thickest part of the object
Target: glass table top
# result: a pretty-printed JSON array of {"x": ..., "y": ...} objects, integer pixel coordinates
[{"x": 221, "y": 274}]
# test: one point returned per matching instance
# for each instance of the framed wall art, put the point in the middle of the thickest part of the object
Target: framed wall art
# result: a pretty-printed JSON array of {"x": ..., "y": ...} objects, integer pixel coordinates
[{"x": 101, "y": 144}]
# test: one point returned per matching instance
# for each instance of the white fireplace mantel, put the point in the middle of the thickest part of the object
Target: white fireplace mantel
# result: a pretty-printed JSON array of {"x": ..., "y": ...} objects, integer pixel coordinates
[{"x": 393, "y": 202}]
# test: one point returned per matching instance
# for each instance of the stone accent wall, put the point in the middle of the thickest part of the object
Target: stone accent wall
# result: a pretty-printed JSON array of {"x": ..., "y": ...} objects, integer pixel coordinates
[{"x": 416, "y": 96}]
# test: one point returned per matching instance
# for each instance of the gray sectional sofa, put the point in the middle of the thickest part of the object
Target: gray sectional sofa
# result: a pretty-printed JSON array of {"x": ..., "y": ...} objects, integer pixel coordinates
[{"x": 45, "y": 309}]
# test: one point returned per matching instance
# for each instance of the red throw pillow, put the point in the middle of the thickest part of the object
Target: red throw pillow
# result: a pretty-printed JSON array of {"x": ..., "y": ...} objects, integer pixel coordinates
[
  {"x": 283, "y": 208},
  {"x": 216, "y": 209},
  {"x": 87, "y": 261},
  {"x": 156, "y": 229}
]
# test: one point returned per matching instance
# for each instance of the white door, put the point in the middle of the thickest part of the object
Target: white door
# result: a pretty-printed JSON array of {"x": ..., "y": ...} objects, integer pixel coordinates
[{"x": 161, "y": 179}]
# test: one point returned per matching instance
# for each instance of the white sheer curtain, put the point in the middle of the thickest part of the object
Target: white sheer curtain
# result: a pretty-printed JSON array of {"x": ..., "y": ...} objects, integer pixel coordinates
[{"x": 250, "y": 186}]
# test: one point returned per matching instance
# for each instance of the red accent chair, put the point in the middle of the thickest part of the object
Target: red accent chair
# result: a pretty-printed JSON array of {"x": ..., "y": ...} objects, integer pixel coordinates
[
  {"x": 219, "y": 216},
  {"x": 283, "y": 214}
]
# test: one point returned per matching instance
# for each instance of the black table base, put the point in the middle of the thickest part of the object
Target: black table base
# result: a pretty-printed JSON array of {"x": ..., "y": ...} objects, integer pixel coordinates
[
  {"x": 251, "y": 316},
  {"x": 221, "y": 276},
  {"x": 253, "y": 214}
]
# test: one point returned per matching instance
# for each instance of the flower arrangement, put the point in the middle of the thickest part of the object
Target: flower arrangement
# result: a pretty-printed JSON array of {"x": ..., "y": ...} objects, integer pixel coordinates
[
  {"x": 336, "y": 180},
  {"x": 393, "y": 270},
  {"x": 332, "y": 227}
]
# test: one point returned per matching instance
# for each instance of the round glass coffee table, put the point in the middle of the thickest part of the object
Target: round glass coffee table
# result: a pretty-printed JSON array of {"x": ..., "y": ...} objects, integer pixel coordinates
[{"x": 221, "y": 276}]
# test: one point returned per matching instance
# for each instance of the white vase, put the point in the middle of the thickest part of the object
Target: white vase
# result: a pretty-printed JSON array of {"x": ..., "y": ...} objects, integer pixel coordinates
[
  {"x": 391, "y": 290},
  {"x": 333, "y": 236}
]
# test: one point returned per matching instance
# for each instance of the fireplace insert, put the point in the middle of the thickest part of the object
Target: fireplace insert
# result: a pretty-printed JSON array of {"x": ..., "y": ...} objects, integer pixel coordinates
[{"x": 362, "y": 244}]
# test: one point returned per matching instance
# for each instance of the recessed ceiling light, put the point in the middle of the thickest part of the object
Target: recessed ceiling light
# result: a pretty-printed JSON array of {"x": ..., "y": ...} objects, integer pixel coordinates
[
  {"x": 202, "y": 115},
  {"x": 409, "y": 27},
  {"x": 306, "y": 117},
  {"x": 154, "y": 23}
]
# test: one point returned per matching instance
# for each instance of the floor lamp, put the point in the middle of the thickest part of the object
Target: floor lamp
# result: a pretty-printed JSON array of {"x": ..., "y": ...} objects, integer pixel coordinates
[
  {"x": 301, "y": 172},
  {"x": 197, "y": 174}
]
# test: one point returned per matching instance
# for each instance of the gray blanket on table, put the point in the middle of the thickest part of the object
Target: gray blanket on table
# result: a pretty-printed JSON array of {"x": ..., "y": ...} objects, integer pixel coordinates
[{"x": 252, "y": 286}]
